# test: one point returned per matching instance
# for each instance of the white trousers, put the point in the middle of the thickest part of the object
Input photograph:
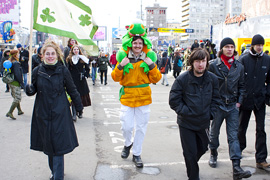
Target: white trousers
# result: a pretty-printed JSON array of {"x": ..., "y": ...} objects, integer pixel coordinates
[{"x": 137, "y": 117}]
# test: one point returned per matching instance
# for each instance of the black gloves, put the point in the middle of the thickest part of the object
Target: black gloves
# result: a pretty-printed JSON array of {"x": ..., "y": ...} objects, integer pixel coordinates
[
  {"x": 30, "y": 90},
  {"x": 79, "y": 114}
]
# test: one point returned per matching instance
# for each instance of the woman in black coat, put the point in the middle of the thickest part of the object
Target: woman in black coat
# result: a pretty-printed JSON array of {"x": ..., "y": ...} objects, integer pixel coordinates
[
  {"x": 52, "y": 129},
  {"x": 177, "y": 64},
  {"x": 165, "y": 62},
  {"x": 78, "y": 66}
]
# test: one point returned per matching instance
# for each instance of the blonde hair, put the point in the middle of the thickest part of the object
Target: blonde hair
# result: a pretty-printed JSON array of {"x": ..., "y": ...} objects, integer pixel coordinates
[{"x": 50, "y": 43}]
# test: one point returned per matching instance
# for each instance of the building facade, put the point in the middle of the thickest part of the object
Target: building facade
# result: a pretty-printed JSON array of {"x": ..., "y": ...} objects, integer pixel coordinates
[
  {"x": 156, "y": 18},
  {"x": 201, "y": 15}
]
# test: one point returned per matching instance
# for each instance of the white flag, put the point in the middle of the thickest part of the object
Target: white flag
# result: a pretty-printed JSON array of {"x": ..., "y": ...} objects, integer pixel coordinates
[{"x": 69, "y": 18}]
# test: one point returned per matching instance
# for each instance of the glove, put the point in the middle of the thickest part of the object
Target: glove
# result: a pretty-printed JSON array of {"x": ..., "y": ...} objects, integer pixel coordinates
[
  {"x": 79, "y": 114},
  {"x": 30, "y": 89}
]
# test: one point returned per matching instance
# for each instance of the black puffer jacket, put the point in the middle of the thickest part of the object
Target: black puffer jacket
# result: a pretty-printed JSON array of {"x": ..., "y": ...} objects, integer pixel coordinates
[
  {"x": 257, "y": 80},
  {"x": 52, "y": 129},
  {"x": 194, "y": 104},
  {"x": 231, "y": 82}
]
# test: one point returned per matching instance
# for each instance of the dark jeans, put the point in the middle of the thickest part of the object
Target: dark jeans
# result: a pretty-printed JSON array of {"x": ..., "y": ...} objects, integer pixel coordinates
[
  {"x": 232, "y": 123},
  {"x": 194, "y": 145},
  {"x": 56, "y": 164},
  {"x": 101, "y": 76},
  {"x": 260, "y": 144},
  {"x": 176, "y": 74}
]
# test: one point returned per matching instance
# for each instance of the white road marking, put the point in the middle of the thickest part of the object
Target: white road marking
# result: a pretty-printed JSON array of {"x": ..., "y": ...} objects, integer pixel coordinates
[{"x": 115, "y": 166}]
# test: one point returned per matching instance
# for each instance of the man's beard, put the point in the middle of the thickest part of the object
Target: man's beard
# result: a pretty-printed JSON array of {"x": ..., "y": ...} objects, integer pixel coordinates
[{"x": 199, "y": 72}]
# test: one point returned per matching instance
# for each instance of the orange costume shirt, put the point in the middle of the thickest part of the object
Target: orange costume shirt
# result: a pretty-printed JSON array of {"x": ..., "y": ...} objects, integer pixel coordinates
[{"x": 141, "y": 96}]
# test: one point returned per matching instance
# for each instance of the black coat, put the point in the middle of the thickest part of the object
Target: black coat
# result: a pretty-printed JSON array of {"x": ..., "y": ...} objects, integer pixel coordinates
[
  {"x": 231, "y": 82},
  {"x": 17, "y": 71},
  {"x": 177, "y": 68},
  {"x": 24, "y": 58},
  {"x": 257, "y": 80},
  {"x": 76, "y": 71},
  {"x": 195, "y": 105},
  {"x": 168, "y": 65},
  {"x": 52, "y": 129}
]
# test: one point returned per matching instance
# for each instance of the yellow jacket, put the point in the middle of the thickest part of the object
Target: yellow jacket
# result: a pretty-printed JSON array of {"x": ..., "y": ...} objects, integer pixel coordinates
[{"x": 135, "y": 97}]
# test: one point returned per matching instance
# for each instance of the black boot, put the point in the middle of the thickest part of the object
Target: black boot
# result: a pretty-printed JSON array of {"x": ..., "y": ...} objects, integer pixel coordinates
[
  {"x": 125, "y": 151},
  {"x": 138, "y": 161},
  {"x": 74, "y": 113},
  {"x": 213, "y": 158},
  {"x": 238, "y": 172}
]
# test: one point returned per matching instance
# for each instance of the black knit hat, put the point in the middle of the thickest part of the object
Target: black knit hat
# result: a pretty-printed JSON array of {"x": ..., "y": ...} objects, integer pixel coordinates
[
  {"x": 257, "y": 39},
  {"x": 226, "y": 41}
]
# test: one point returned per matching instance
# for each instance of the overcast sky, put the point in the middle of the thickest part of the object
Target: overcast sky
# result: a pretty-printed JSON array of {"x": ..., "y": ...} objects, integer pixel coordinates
[{"x": 110, "y": 13}]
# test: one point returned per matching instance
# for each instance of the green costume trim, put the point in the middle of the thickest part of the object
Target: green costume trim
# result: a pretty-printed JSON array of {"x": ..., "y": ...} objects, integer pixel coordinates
[{"x": 122, "y": 92}]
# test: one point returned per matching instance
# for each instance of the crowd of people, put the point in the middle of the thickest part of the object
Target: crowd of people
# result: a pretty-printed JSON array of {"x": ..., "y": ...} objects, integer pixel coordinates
[{"x": 213, "y": 87}]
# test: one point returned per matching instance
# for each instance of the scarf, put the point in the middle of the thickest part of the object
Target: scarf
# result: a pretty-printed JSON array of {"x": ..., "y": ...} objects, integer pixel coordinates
[
  {"x": 228, "y": 61},
  {"x": 76, "y": 58},
  {"x": 254, "y": 53}
]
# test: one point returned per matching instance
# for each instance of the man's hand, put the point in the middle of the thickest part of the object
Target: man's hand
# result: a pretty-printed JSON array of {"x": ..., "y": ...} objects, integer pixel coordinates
[
  {"x": 124, "y": 62},
  {"x": 148, "y": 61},
  {"x": 238, "y": 105}
]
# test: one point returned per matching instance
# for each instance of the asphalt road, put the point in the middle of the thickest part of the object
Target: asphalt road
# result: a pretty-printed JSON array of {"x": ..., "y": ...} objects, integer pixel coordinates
[{"x": 100, "y": 139}]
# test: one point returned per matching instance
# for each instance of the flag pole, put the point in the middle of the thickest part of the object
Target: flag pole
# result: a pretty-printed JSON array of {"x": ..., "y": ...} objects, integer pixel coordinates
[{"x": 30, "y": 43}]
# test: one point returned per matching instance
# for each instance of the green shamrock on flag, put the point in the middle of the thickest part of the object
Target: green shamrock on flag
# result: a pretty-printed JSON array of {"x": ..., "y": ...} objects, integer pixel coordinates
[
  {"x": 85, "y": 20},
  {"x": 46, "y": 15}
]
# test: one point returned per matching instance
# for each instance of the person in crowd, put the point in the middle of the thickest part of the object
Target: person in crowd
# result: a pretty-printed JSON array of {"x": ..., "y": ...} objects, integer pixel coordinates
[
  {"x": 201, "y": 44},
  {"x": 170, "y": 52},
  {"x": 211, "y": 49},
  {"x": 228, "y": 69},
  {"x": 194, "y": 97},
  {"x": 94, "y": 65},
  {"x": 165, "y": 62},
  {"x": 195, "y": 45},
  {"x": 71, "y": 42},
  {"x": 78, "y": 66},
  {"x": 36, "y": 58},
  {"x": 113, "y": 60},
  {"x": 246, "y": 51},
  {"x": 1, "y": 55},
  {"x": 52, "y": 128},
  {"x": 257, "y": 85},
  {"x": 103, "y": 63},
  {"x": 4, "y": 58},
  {"x": 177, "y": 64},
  {"x": 24, "y": 58},
  {"x": 135, "y": 98},
  {"x": 16, "y": 85},
  {"x": 266, "y": 52}
]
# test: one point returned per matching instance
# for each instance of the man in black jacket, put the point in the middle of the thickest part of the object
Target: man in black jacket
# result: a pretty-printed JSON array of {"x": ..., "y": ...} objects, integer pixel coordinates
[
  {"x": 23, "y": 59},
  {"x": 36, "y": 58},
  {"x": 195, "y": 45},
  {"x": 257, "y": 84},
  {"x": 230, "y": 73},
  {"x": 194, "y": 97}
]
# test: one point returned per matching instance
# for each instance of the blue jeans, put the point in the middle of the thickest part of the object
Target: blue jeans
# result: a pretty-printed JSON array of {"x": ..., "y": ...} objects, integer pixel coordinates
[
  {"x": 94, "y": 71},
  {"x": 113, "y": 66},
  {"x": 24, "y": 79},
  {"x": 56, "y": 164},
  {"x": 232, "y": 123}
]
